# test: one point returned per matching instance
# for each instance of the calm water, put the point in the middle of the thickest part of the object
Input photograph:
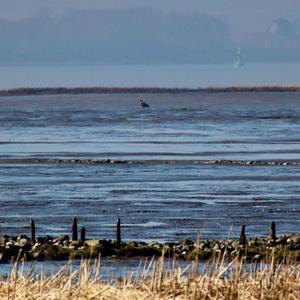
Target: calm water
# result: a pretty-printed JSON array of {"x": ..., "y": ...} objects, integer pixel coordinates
[
  {"x": 155, "y": 201},
  {"x": 148, "y": 75}
]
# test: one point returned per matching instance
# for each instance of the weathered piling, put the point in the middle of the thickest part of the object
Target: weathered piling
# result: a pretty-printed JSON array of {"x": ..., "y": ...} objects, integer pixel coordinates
[
  {"x": 74, "y": 230},
  {"x": 118, "y": 231},
  {"x": 32, "y": 230},
  {"x": 82, "y": 235},
  {"x": 273, "y": 232},
  {"x": 242, "y": 239}
]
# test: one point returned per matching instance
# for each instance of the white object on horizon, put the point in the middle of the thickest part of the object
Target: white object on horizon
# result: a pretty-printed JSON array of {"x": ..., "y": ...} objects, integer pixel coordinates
[{"x": 239, "y": 62}]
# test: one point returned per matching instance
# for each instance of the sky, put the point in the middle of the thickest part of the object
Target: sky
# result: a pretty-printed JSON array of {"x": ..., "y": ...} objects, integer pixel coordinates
[
  {"x": 251, "y": 11},
  {"x": 130, "y": 31}
]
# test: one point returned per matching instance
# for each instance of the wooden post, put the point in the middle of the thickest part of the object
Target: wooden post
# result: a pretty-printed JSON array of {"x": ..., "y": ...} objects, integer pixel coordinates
[
  {"x": 243, "y": 240},
  {"x": 118, "y": 232},
  {"x": 273, "y": 232},
  {"x": 82, "y": 235},
  {"x": 32, "y": 230},
  {"x": 74, "y": 230}
]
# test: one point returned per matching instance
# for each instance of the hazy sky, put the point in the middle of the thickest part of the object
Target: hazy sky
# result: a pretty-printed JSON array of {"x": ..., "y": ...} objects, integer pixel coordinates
[
  {"x": 191, "y": 30},
  {"x": 234, "y": 10}
]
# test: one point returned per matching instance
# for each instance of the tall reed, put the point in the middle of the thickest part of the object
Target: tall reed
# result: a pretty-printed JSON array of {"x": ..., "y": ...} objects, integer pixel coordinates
[{"x": 159, "y": 279}]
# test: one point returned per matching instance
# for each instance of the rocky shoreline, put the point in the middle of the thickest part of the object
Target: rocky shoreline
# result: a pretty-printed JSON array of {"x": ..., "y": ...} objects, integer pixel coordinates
[{"x": 63, "y": 248}]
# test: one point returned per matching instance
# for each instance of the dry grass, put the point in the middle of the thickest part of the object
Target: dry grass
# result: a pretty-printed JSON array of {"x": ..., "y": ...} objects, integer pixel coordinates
[{"x": 216, "y": 280}]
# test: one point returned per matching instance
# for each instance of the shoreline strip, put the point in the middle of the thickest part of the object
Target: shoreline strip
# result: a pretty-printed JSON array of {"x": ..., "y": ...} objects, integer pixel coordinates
[{"x": 26, "y": 91}]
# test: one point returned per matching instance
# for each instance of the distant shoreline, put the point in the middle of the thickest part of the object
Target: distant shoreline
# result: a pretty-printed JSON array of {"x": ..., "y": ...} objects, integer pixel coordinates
[{"x": 144, "y": 90}]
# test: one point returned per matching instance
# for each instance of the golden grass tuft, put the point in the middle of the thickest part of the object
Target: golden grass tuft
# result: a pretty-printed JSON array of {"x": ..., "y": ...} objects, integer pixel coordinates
[{"x": 215, "y": 280}]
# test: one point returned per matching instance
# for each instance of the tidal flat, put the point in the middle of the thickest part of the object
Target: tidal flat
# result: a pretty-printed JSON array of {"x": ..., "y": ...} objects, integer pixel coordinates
[
  {"x": 190, "y": 161},
  {"x": 193, "y": 164}
]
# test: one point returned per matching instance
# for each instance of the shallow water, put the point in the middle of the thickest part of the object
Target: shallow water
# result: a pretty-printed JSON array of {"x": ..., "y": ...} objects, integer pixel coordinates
[
  {"x": 169, "y": 75},
  {"x": 155, "y": 201},
  {"x": 110, "y": 269}
]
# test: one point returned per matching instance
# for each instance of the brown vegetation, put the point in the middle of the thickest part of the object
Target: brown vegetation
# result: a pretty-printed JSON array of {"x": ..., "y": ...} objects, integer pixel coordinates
[{"x": 215, "y": 280}]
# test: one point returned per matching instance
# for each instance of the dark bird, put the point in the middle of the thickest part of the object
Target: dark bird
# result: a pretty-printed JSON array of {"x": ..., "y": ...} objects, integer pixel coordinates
[{"x": 143, "y": 104}]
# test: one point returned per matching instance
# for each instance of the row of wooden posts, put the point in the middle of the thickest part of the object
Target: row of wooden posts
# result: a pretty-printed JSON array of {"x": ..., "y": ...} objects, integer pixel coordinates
[
  {"x": 75, "y": 231},
  {"x": 242, "y": 239}
]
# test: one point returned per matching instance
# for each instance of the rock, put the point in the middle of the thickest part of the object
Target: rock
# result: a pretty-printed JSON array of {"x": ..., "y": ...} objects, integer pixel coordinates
[
  {"x": 132, "y": 244},
  {"x": 216, "y": 247},
  {"x": 35, "y": 246},
  {"x": 92, "y": 243},
  {"x": 66, "y": 243},
  {"x": 22, "y": 236},
  {"x": 143, "y": 251},
  {"x": 22, "y": 242},
  {"x": 186, "y": 242},
  {"x": 294, "y": 239},
  {"x": 166, "y": 249},
  {"x": 230, "y": 248},
  {"x": 74, "y": 244},
  {"x": 185, "y": 248},
  {"x": 3, "y": 240},
  {"x": 9, "y": 244},
  {"x": 222, "y": 246},
  {"x": 35, "y": 254},
  {"x": 61, "y": 238},
  {"x": 50, "y": 252},
  {"x": 44, "y": 240},
  {"x": 235, "y": 244}
]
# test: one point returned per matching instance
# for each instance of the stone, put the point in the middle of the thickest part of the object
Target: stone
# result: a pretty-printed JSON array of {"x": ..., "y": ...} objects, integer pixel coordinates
[
  {"x": 132, "y": 244},
  {"x": 61, "y": 238},
  {"x": 294, "y": 239},
  {"x": 22, "y": 242},
  {"x": 216, "y": 247},
  {"x": 74, "y": 244},
  {"x": 92, "y": 243},
  {"x": 9, "y": 244},
  {"x": 35, "y": 246},
  {"x": 3, "y": 240},
  {"x": 66, "y": 243},
  {"x": 44, "y": 240}
]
